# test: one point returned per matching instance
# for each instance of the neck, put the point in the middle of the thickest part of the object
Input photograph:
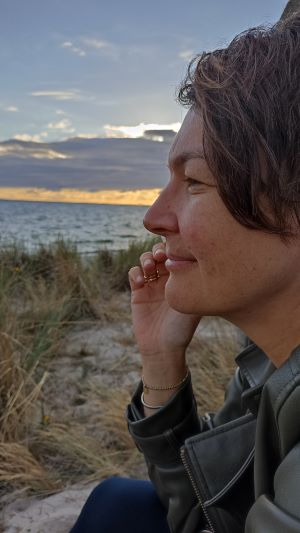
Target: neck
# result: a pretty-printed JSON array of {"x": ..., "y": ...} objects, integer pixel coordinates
[{"x": 274, "y": 326}]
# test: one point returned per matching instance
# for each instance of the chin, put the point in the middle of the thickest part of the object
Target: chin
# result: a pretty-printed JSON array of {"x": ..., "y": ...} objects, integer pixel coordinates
[
  {"x": 191, "y": 302},
  {"x": 177, "y": 299}
]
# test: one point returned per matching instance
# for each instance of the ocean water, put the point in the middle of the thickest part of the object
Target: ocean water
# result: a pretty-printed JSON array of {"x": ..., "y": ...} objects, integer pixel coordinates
[{"x": 91, "y": 227}]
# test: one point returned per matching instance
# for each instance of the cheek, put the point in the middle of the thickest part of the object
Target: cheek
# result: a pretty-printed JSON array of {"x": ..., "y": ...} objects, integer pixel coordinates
[
  {"x": 208, "y": 243},
  {"x": 212, "y": 235}
]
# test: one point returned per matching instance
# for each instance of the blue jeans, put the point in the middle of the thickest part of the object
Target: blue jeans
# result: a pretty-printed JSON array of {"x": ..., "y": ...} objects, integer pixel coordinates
[{"x": 122, "y": 505}]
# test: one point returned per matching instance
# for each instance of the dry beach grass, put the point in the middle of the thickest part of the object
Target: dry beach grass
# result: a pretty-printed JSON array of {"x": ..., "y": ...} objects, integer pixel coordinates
[{"x": 69, "y": 364}]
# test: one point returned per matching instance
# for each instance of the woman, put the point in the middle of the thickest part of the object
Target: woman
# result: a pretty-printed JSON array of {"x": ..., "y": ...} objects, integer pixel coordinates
[{"x": 230, "y": 218}]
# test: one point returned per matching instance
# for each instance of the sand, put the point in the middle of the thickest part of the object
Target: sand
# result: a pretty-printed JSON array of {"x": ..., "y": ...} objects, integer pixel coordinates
[
  {"x": 55, "y": 514},
  {"x": 98, "y": 354}
]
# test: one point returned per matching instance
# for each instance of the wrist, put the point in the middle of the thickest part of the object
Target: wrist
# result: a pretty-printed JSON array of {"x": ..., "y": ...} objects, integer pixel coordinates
[
  {"x": 161, "y": 377},
  {"x": 175, "y": 384},
  {"x": 157, "y": 393},
  {"x": 163, "y": 359}
]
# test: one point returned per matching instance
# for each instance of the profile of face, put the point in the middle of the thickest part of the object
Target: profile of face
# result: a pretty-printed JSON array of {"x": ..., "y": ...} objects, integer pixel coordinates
[{"x": 217, "y": 266}]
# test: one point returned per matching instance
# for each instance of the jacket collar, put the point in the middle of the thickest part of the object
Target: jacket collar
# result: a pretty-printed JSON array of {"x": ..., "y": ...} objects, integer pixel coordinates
[
  {"x": 254, "y": 365},
  {"x": 255, "y": 368}
]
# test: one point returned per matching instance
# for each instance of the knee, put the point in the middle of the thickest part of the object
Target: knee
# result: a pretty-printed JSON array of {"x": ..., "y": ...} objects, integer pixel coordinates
[
  {"x": 99, "y": 509},
  {"x": 123, "y": 491},
  {"x": 110, "y": 506},
  {"x": 106, "y": 489}
]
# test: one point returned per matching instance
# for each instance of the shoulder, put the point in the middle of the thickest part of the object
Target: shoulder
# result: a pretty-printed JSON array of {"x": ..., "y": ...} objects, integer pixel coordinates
[
  {"x": 277, "y": 453},
  {"x": 280, "y": 512}
]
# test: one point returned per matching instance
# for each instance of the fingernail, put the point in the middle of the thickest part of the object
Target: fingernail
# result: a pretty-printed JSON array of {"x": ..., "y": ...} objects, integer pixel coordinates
[
  {"x": 148, "y": 263},
  {"x": 158, "y": 252},
  {"x": 139, "y": 279}
]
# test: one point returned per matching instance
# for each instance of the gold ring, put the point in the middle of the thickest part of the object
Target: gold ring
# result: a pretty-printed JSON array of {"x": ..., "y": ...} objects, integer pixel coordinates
[{"x": 152, "y": 277}]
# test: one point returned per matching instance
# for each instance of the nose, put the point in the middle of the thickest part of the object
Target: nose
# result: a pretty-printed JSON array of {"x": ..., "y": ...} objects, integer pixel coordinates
[{"x": 161, "y": 218}]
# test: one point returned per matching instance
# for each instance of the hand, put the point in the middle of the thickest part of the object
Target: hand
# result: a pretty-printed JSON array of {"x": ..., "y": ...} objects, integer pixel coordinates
[{"x": 159, "y": 329}]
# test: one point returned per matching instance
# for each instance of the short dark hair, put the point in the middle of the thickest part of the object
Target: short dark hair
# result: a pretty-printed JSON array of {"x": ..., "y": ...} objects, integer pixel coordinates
[
  {"x": 291, "y": 7},
  {"x": 249, "y": 97}
]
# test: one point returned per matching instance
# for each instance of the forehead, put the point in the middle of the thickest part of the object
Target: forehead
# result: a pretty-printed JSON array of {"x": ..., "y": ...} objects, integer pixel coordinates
[{"x": 188, "y": 143}]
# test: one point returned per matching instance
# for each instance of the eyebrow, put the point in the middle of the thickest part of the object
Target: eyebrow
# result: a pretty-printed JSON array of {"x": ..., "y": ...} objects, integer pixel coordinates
[{"x": 182, "y": 158}]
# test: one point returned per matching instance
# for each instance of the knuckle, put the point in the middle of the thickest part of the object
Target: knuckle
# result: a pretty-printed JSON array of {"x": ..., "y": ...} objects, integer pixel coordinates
[
  {"x": 156, "y": 246},
  {"x": 159, "y": 247},
  {"x": 133, "y": 270},
  {"x": 146, "y": 255}
]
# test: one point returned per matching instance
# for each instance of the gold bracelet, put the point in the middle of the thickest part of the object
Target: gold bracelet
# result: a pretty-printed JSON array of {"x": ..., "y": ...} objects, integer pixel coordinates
[
  {"x": 149, "y": 406},
  {"x": 170, "y": 387}
]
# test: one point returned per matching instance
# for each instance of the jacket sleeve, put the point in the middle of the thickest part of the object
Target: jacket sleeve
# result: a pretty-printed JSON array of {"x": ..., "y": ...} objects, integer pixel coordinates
[
  {"x": 160, "y": 437},
  {"x": 280, "y": 513}
]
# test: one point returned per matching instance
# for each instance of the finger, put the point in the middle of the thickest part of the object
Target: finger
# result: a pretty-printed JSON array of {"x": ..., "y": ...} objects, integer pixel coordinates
[
  {"x": 161, "y": 269},
  {"x": 148, "y": 263},
  {"x": 136, "y": 278},
  {"x": 159, "y": 251}
]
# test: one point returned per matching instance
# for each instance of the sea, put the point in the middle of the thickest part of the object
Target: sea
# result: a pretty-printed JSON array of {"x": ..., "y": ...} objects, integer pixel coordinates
[{"x": 91, "y": 227}]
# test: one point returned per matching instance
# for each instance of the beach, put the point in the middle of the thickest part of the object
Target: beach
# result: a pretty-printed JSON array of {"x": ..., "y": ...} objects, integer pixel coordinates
[{"x": 72, "y": 365}]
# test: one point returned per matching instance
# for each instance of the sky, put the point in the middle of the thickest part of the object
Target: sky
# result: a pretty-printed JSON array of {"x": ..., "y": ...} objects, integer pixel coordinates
[{"x": 107, "y": 68}]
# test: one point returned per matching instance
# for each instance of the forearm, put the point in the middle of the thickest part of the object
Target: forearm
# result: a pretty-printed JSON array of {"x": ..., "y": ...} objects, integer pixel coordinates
[{"x": 160, "y": 438}]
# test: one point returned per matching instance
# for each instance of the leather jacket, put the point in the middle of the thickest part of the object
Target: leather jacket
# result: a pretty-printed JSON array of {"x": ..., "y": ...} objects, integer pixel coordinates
[{"x": 237, "y": 470}]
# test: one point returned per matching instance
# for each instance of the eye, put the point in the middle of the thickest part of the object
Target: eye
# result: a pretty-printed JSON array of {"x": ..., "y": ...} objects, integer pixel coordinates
[{"x": 193, "y": 184}]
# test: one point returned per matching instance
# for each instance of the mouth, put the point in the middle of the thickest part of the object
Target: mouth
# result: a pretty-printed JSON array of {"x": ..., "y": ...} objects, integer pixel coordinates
[
  {"x": 175, "y": 262},
  {"x": 174, "y": 257}
]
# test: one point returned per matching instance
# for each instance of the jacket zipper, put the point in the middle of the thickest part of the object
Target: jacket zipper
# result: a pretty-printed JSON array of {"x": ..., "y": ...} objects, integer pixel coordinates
[{"x": 195, "y": 487}]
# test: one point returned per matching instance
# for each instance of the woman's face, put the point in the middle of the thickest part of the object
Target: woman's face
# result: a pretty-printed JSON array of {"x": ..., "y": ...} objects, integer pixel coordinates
[{"x": 217, "y": 266}]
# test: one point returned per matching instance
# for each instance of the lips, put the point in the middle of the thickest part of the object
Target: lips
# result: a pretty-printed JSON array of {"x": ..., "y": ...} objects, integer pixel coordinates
[
  {"x": 174, "y": 257},
  {"x": 177, "y": 262}
]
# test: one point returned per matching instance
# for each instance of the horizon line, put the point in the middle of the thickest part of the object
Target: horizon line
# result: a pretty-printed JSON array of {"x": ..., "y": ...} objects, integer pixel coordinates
[{"x": 138, "y": 197}]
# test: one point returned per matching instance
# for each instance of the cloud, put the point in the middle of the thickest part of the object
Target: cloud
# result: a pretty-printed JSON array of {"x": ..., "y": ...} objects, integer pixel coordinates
[
  {"x": 186, "y": 54},
  {"x": 139, "y": 130},
  {"x": 24, "y": 152},
  {"x": 91, "y": 44},
  {"x": 114, "y": 51},
  {"x": 64, "y": 124},
  {"x": 102, "y": 47},
  {"x": 78, "y": 51},
  {"x": 58, "y": 95},
  {"x": 60, "y": 112},
  {"x": 88, "y": 136},
  {"x": 11, "y": 109},
  {"x": 75, "y": 49},
  {"x": 26, "y": 137},
  {"x": 96, "y": 43}
]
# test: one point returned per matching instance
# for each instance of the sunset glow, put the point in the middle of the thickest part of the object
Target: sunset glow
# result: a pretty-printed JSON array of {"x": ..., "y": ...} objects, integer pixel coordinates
[{"x": 117, "y": 197}]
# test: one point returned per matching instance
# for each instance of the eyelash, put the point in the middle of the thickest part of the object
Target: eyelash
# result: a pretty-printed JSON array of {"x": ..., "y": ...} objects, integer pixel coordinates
[{"x": 191, "y": 181}]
